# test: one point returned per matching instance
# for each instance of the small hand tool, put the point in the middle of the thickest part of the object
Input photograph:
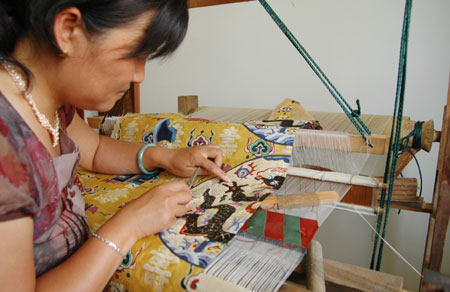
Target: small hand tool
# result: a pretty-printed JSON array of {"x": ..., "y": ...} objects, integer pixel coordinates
[
  {"x": 193, "y": 177},
  {"x": 191, "y": 181}
]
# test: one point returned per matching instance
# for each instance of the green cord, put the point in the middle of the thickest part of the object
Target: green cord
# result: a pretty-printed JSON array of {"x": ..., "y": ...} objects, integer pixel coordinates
[
  {"x": 416, "y": 135},
  {"x": 394, "y": 144},
  {"x": 353, "y": 115},
  {"x": 420, "y": 172}
]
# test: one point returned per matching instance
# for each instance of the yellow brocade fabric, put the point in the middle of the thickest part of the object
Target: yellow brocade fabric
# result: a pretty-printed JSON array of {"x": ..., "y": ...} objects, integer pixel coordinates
[
  {"x": 290, "y": 109},
  {"x": 255, "y": 157}
]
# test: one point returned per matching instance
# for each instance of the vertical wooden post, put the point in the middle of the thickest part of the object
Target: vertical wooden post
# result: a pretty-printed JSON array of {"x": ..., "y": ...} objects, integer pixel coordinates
[
  {"x": 439, "y": 219},
  {"x": 136, "y": 95},
  {"x": 315, "y": 272},
  {"x": 187, "y": 104}
]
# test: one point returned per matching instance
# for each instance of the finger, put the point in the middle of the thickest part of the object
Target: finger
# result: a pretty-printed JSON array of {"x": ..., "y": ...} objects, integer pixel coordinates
[
  {"x": 180, "y": 210},
  {"x": 215, "y": 146},
  {"x": 218, "y": 159},
  {"x": 215, "y": 154},
  {"x": 176, "y": 186},
  {"x": 182, "y": 197},
  {"x": 214, "y": 169}
]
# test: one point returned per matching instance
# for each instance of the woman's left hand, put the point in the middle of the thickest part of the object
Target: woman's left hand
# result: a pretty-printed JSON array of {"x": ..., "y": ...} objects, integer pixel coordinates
[{"x": 183, "y": 162}]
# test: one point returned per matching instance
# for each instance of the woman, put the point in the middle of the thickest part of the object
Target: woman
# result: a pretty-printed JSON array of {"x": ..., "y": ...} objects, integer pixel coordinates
[{"x": 57, "y": 55}]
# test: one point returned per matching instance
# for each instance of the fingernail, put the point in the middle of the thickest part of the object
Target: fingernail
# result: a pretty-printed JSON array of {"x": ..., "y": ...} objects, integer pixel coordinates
[{"x": 187, "y": 205}]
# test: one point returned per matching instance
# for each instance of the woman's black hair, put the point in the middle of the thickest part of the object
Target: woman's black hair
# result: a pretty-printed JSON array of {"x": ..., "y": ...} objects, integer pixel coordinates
[{"x": 34, "y": 18}]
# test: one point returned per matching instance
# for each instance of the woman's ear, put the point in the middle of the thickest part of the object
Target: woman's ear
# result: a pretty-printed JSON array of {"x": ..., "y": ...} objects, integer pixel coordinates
[{"x": 69, "y": 32}]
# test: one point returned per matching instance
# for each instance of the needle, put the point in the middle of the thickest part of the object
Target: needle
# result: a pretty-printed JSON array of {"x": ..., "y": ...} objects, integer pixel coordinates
[
  {"x": 191, "y": 181},
  {"x": 193, "y": 177}
]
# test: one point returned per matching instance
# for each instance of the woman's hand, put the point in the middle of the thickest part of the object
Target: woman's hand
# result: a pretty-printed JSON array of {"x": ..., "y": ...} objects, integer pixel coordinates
[
  {"x": 183, "y": 162},
  {"x": 156, "y": 210}
]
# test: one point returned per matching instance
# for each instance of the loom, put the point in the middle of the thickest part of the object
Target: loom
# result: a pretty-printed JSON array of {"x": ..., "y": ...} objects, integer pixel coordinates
[
  {"x": 318, "y": 152},
  {"x": 312, "y": 174},
  {"x": 315, "y": 177}
]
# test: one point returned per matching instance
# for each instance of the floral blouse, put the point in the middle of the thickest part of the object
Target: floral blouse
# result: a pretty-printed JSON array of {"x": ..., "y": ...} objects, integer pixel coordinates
[{"x": 33, "y": 183}]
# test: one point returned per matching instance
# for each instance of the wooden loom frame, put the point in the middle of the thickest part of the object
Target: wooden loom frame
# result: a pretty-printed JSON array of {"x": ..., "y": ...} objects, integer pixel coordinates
[
  {"x": 439, "y": 209},
  {"x": 338, "y": 275},
  {"x": 440, "y": 215},
  {"x": 316, "y": 268}
]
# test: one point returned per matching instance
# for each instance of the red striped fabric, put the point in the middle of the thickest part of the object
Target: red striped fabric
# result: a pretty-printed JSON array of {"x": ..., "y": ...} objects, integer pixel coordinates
[{"x": 275, "y": 228}]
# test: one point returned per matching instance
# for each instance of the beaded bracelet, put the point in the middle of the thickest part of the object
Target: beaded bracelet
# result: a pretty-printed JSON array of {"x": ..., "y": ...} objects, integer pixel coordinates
[
  {"x": 139, "y": 159},
  {"x": 110, "y": 244}
]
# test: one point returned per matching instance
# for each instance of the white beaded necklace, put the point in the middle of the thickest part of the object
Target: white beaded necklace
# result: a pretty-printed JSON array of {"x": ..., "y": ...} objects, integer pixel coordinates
[{"x": 54, "y": 131}]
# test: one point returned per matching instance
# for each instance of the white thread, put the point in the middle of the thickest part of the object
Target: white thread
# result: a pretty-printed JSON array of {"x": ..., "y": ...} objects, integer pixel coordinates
[
  {"x": 254, "y": 263},
  {"x": 387, "y": 243},
  {"x": 345, "y": 208}
]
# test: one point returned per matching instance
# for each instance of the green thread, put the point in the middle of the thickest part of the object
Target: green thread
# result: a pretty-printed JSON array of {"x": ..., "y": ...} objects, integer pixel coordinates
[
  {"x": 394, "y": 144},
  {"x": 353, "y": 115},
  {"x": 420, "y": 172},
  {"x": 415, "y": 134}
]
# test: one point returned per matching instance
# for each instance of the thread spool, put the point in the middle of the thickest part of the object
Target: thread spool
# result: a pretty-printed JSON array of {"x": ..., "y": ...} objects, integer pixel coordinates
[{"x": 423, "y": 135}]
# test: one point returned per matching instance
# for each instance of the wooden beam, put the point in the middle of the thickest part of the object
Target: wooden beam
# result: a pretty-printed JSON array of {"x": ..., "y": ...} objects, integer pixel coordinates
[
  {"x": 202, "y": 3},
  {"x": 423, "y": 207},
  {"x": 187, "y": 104},
  {"x": 299, "y": 200},
  {"x": 435, "y": 281},
  {"x": 360, "y": 279},
  {"x": 362, "y": 196},
  {"x": 324, "y": 274},
  {"x": 380, "y": 144},
  {"x": 404, "y": 159},
  {"x": 439, "y": 219},
  {"x": 336, "y": 177}
]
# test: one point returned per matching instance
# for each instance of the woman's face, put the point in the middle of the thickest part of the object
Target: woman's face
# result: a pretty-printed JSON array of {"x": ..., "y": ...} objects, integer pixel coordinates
[{"x": 98, "y": 73}]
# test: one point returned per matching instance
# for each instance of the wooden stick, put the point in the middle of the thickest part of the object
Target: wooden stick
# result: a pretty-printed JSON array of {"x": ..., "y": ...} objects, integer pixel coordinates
[
  {"x": 315, "y": 271},
  {"x": 299, "y": 200},
  {"x": 350, "y": 207},
  {"x": 337, "y": 177}
]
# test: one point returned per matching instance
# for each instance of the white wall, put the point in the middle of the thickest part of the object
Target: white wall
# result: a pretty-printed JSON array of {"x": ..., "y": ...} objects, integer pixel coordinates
[{"x": 234, "y": 55}]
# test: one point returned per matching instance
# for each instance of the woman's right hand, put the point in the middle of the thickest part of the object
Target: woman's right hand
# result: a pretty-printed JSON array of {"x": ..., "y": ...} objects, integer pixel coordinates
[{"x": 157, "y": 209}]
